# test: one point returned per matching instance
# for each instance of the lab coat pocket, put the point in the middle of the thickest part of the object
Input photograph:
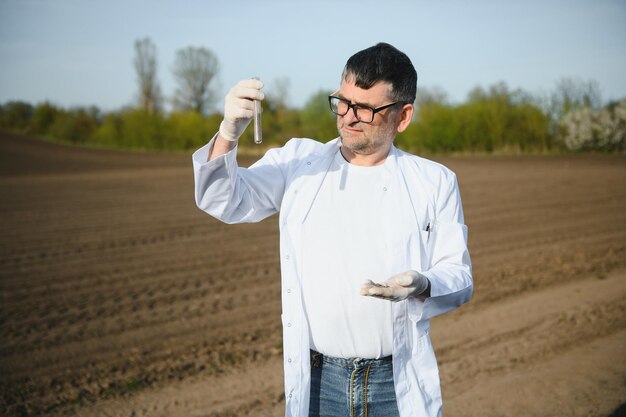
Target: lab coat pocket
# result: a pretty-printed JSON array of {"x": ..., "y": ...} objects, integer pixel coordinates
[
  {"x": 425, "y": 364},
  {"x": 419, "y": 248},
  {"x": 429, "y": 234}
]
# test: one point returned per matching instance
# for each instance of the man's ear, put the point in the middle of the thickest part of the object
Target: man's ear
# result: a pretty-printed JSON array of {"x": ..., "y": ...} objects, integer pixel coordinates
[{"x": 405, "y": 116}]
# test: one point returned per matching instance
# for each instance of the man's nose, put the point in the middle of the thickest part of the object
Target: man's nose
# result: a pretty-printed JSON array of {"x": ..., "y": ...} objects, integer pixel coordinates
[{"x": 350, "y": 117}]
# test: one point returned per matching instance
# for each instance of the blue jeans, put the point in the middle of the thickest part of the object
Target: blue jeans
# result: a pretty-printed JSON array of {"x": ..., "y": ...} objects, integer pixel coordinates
[{"x": 352, "y": 387}]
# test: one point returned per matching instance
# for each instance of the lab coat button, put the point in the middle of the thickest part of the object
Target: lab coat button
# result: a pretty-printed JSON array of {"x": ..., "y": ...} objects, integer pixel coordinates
[
  {"x": 288, "y": 324},
  {"x": 288, "y": 290},
  {"x": 384, "y": 188},
  {"x": 287, "y": 257}
]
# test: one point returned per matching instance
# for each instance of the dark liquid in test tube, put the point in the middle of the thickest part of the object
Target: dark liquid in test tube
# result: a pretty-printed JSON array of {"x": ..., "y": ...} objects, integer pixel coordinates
[{"x": 258, "y": 135}]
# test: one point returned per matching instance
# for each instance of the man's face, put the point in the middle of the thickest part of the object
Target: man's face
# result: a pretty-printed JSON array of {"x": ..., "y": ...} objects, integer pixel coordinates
[{"x": 367, "y": 138}]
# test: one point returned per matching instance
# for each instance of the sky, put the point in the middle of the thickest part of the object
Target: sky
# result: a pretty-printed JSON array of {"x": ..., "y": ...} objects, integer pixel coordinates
[{"x": 80, "y": 53}]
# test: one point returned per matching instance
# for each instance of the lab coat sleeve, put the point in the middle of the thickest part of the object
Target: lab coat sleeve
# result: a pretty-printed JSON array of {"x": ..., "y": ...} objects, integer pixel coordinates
[
  {"x": 237, "y": 195},
  {"x": 450, "y": 272}
]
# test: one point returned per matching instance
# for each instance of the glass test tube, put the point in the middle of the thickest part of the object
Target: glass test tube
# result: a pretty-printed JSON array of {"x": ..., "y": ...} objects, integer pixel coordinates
[{"x": 258, "y": 135}]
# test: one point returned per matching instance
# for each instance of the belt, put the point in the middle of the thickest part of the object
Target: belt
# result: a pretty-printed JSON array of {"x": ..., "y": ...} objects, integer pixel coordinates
[{"x": 317, "y": 358}]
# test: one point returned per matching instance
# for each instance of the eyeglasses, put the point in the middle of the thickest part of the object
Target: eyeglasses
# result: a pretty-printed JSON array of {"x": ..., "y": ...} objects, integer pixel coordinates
[{"x": 363, "y": 113}]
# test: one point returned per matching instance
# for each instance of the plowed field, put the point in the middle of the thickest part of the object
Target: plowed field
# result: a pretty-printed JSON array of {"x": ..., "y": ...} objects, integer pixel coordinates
[{"x": 118, "y": 297}]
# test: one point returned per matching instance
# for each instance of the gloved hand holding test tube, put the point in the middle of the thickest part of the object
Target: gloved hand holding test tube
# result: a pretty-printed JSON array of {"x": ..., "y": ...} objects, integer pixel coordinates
[{"x": 242, "y": 104}]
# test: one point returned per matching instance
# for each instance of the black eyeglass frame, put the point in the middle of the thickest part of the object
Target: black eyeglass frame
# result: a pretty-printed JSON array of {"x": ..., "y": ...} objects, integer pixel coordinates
[{"x": 362, "y": 106}]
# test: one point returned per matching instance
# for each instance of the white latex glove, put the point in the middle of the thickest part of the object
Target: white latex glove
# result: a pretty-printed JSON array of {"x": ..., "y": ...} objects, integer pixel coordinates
[
  {"x": 398, "y": 287},
  {"x": 239, "y": 108}
]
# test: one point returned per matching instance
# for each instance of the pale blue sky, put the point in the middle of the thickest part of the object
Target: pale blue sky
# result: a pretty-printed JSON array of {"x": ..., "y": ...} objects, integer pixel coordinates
[{"x": 73, "y": 52}]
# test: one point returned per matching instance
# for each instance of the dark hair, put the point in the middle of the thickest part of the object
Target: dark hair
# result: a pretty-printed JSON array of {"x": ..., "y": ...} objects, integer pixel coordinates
[{"x": 383, "y": 62}]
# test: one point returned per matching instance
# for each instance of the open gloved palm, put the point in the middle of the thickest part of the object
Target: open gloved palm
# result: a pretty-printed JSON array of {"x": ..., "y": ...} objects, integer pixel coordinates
[{"x": 397, "y": 288}]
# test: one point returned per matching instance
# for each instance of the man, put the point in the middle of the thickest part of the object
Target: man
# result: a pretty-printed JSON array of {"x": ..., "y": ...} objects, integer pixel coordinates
[{"x": 372, "y": 243}]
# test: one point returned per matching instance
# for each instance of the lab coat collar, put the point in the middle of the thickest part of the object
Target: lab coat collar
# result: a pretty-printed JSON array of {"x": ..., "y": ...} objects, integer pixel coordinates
[{"x": 316, "y": 167}]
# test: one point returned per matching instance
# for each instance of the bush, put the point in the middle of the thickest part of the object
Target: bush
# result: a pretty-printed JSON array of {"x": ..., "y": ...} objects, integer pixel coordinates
[
  {"x": 143, "y": 130},
  {"x": 317, "y": 121},
  {"x": 490, "y": 121},
  {"x": 76, "y": 126},
  {"x": 44, "y": 117},
  {"x": 189, "y": 130},
  {"x": 598, "y": 130},
  {"x": 16, "y": 115}
]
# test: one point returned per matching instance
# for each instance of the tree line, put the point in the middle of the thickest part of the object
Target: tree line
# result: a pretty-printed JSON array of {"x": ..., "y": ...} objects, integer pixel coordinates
[{"x": 494, "y": 119}]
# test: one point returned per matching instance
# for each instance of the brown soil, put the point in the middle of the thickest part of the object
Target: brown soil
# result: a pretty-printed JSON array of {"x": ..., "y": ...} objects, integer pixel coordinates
[{"x": 118, "y": 297}]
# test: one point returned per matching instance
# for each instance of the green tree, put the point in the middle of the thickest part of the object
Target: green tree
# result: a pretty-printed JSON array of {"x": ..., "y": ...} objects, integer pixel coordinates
[
  {"x": 585, "y": 129},
  {"x": 16, "y": 115},
  {"x": 435, "y": 130},
  {"x": 490, "y": 120},
  {"x": 194, "y": 70},
  {"x": 189, "y": 130},
  {"x": 109, "y": 132},
  {"x": 318, "y": 122},
  {"x": 76, "y": 125},
  {"x": 142, "y": 130},
  {"x": 574, "y": 93},
  {"x": 44, "y": 116},
  {"x": 145, "y": 62},
  {"x": 278, "y": 94}
]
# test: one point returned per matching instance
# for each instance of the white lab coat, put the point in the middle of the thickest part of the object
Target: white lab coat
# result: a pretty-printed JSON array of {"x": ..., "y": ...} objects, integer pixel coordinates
[{"x": 286, "y": 180}]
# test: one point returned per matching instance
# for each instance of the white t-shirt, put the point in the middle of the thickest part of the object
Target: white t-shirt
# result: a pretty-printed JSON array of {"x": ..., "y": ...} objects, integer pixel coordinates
[{"x": 348, "y": 238}]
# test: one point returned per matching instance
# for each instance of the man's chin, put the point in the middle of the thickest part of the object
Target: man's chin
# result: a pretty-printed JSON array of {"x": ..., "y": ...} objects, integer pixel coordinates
[
  {"x": 352, "y": 140},
  {"x": 352, "y": 143}
]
